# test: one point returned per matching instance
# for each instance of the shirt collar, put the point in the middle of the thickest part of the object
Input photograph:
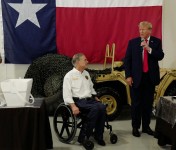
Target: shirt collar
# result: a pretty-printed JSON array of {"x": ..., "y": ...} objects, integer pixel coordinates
[
  {"x": 147, "y": 38},
  {"x": 77, "y": 71}
]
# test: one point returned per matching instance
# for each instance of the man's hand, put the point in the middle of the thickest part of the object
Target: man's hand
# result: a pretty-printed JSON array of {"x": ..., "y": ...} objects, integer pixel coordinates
[
  {"x": 129, "y": 81},
  {"x": 145, "y": 45},
  {"x": 75, "y": 109},
  {"x": 96, "y": 98}
]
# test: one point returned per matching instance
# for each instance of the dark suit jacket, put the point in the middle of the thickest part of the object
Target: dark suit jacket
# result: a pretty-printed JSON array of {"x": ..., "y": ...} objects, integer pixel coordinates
[{"x": 134, "y": 60}]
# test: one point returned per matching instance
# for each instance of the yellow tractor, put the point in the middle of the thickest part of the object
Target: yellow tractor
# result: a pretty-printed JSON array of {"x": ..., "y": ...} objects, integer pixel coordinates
[
  {"x": 113, "y": 90},
  {"x": 48, "y": 72}
]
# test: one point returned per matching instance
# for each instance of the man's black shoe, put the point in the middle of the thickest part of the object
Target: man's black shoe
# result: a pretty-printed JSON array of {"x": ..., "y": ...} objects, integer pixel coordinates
[
  {"x": 148, "y": 131},
  {"x": 100, "y": 142},
  {"x": 135, "y": 132}
]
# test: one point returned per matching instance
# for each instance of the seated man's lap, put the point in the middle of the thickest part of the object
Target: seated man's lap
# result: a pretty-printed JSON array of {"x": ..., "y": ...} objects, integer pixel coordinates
[{"x": 87, "y": 105}]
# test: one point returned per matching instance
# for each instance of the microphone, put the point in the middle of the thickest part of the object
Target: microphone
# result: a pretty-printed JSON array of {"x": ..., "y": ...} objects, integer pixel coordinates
[
  {"x": 143, "y": 44},
  {"x": 142, "y": 40}
]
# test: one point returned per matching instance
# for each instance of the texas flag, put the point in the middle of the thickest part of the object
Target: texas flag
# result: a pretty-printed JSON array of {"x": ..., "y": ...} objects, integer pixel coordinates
[{"x": 33, "y": 28}]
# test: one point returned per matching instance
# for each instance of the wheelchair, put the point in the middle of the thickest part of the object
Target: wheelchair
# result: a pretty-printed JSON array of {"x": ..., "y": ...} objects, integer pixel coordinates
[{"x": 66, "y": 124}]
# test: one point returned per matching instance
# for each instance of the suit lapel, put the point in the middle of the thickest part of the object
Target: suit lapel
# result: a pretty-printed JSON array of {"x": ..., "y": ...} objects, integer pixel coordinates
[{"x": 151, "y": 42}]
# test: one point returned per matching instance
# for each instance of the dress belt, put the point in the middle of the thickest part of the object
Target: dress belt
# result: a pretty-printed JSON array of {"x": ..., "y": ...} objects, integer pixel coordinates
[{"x": 86, "y": 98}]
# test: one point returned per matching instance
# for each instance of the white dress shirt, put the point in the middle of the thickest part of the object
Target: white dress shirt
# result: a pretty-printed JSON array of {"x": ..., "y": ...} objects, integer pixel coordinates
[
  {"x": 77, "y": 84},
  {"x": 150, "y": 51}
]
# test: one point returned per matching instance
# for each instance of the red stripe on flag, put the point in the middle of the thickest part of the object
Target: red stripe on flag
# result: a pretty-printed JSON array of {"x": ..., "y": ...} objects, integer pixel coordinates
[{"x": 88, "y": 30}]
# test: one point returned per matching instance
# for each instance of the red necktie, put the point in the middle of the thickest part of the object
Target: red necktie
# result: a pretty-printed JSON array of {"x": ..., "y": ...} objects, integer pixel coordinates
[{"x": 145, "y": 59}]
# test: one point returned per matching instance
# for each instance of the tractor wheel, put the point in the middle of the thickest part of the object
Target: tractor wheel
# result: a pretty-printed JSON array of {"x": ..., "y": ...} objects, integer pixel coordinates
[{"x": 110, "y": 98}]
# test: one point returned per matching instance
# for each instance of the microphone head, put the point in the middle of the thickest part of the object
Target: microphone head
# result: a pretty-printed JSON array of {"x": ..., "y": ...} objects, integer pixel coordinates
[{"x": 142, "y": 40}]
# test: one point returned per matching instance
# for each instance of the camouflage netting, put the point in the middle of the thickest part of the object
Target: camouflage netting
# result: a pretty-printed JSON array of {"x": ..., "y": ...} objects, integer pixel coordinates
[{"x": 48, "y": 72}]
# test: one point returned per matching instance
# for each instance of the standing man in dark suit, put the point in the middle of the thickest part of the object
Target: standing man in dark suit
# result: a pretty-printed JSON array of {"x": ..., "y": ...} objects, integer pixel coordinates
[{"x": 142, "y": 74}]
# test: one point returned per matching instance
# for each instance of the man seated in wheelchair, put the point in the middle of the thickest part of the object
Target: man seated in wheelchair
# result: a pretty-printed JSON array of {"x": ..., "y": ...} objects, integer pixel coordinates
[{"x": 79, "y": 93}]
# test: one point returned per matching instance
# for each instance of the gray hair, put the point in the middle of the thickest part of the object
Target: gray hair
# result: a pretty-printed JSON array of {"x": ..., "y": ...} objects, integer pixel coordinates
[
  {"x": 145, "y": 24},
  {"x": 76, "y": 58}
]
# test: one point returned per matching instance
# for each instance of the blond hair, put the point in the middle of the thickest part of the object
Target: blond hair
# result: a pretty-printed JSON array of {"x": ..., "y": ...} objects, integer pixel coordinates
[{"x": 145, "y": 24}]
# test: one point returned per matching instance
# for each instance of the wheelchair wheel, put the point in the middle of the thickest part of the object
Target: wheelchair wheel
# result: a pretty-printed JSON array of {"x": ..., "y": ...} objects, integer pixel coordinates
[
  {"x": 88, "y": 145},
  {"x": 113, "y": 138},
  {"x": 65, "y": 123}
]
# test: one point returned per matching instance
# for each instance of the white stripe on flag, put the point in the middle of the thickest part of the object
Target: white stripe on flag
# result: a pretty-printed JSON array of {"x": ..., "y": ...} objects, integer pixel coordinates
[
  {"x": 107, "y": 3},
  {"x": 1, "y": 35}
]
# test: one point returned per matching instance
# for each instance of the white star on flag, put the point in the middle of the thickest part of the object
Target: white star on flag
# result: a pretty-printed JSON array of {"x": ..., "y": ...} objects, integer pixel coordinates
[{"x": 27, "y": 11}]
